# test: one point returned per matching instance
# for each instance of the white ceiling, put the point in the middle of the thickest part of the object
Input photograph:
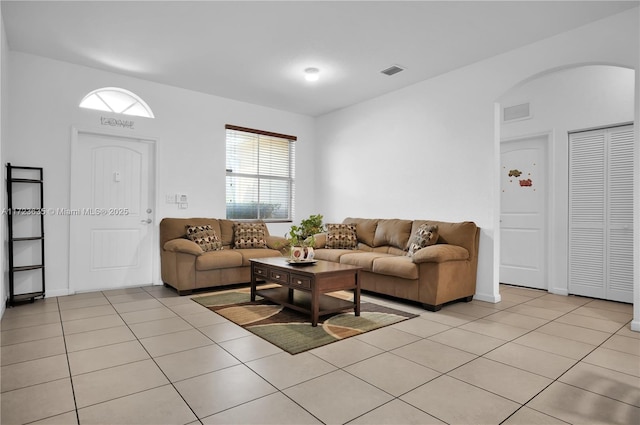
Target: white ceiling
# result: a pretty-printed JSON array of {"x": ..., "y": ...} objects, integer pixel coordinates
[{"x": 256, "y": 51}]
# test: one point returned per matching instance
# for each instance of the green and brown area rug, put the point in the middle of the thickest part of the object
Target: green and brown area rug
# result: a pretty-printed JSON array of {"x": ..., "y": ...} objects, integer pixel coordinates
[{"x": 292, "y": 330}]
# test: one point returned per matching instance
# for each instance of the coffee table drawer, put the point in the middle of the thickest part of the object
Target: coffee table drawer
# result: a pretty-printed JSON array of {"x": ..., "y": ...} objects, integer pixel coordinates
[
  {"x": 279, "y": 276},
  {"x": 261, "y": 272},
  {"x": 298, "y": 281}
]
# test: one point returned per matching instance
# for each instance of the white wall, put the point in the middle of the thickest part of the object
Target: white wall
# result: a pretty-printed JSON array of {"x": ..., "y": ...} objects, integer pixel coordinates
[
  {"x": 562, "y": 101},
  {"x": 432, "y": 150},
  {"x": 44, "y": 95},
  {"x": 4, "y": 79}
]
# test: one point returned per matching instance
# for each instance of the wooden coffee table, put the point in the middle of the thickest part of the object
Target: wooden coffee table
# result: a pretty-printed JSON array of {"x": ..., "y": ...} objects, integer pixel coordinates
[{"x": 301, "y": 287}]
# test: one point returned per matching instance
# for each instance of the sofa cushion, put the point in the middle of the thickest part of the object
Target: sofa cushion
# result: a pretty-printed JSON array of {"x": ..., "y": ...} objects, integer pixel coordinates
[
  {"x": 392, "y": 232},
  {"x": 341, "y": 236},
  {"x": 425, "y": 235},
  {"x": 248, "y": 254},
  {"x": 365, "y": 228},
  {"x": 219, "y": 260},
  {"x": 396, "y": 266},
  {"x": 205, "y": 237},
  {"x": 362, "y": 259},
  {"x": 331, "y": 254},
  {"x": 249, "y": 235},
  {"x": 226, "y": 232}
]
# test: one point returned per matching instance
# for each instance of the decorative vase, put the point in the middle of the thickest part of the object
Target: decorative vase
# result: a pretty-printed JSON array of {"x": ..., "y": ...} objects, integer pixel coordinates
[{"x": 302, "y": 253}]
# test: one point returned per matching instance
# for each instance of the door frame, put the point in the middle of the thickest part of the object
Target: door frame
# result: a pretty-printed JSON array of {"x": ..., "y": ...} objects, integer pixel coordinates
[
  {"x": 76, "y": 131},
  {"x": 548, "y": 200}
]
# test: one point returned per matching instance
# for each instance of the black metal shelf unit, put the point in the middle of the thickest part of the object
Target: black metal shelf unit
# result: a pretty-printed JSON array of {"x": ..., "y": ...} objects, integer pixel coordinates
[{"x": 16, "y": 181}]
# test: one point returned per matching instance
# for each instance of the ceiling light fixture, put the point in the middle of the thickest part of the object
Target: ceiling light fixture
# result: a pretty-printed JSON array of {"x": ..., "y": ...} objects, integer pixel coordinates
[{"x": 311, "y": 74}]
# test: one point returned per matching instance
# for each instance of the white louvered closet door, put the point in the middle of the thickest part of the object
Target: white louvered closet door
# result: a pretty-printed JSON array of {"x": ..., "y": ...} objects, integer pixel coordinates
[{"x": 601, "y": 213}]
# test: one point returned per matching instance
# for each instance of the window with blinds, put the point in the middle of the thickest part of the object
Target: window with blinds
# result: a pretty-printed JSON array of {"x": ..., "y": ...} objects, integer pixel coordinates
[{"x": 260, "y": 174}]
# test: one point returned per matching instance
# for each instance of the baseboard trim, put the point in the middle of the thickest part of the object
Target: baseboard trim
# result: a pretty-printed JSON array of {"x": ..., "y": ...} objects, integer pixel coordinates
[
  {"x": 490, "y": 298},
  {"x": 635, "y": 325},
  {"x": 57, "y": 293},
  {"x": 559, "y": 291}
]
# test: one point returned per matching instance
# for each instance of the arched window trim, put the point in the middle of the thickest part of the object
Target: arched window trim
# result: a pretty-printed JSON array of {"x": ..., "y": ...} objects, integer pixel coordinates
[{"x": 98, "y": 100}]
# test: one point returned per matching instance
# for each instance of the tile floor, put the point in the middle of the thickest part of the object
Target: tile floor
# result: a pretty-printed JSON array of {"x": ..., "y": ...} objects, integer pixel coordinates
[{"x": 147, "y": 356}]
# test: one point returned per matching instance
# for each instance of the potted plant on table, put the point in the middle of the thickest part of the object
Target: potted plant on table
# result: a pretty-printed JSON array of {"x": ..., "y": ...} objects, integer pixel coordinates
[{"x": 301, "y": 238}]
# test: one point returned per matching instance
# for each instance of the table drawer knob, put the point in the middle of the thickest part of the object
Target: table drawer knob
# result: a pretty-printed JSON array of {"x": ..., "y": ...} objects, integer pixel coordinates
[
  {"x": 299, "y": 282},
  {"x": 277, "y": 276}
]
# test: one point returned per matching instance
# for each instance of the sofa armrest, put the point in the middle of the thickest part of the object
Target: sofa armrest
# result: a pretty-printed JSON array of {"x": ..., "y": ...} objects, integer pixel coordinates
[
  {"x": 321, "y": 240},
  {"x": 276, "y": 242},
  {"x": 440, "y": 253},
  {"x": 183, "y": 245}
]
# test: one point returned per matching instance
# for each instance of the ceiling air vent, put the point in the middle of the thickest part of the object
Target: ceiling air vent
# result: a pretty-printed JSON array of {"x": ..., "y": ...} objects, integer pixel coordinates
[
  {"x": 392, "y": 70},
  {"x": 516, "y": 112}
]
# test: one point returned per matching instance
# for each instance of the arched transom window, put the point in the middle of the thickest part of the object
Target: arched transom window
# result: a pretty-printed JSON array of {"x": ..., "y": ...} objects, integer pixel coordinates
[{"x": 117, "y": 100}]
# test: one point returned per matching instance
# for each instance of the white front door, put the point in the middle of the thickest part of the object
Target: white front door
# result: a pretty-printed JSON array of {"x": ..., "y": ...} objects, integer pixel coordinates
[
  {"x": 523, "y": 184},
  {"x": 111, "y": 214}
]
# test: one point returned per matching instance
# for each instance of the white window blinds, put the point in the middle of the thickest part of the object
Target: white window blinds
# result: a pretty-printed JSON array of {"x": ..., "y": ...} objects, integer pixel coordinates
[{"x": 260, "y": 174}]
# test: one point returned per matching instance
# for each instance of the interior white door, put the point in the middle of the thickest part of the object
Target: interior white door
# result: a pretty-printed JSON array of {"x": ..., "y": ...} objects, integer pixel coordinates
[
  {"x": 523, "y": 216},
  {"x": 601, "y": 213},
  {"x": 112, "y": 213}
]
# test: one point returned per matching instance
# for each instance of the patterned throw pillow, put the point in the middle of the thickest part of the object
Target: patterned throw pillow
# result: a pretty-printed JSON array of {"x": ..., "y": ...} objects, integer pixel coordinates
[
  {"x": 341, "y": 236},
  {"x": 426, "y": 234},
  {"x": 204, "y": 236},
  {"x": 249, "y": 235}
]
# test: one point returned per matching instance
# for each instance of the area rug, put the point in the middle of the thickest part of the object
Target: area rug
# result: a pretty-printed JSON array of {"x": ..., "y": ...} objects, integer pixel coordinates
[{"x": 292, "y": 330}]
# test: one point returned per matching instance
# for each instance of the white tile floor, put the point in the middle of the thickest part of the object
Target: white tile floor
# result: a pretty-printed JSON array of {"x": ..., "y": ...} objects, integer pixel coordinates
[{"x": 147, "y": 356}]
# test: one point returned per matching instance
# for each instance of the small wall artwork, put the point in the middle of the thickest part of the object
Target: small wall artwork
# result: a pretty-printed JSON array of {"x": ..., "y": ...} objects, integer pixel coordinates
[{"x": 525, "y": 182}]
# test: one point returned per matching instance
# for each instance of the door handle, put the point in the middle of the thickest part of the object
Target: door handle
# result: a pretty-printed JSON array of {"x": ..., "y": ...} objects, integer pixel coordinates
[{"x": 147, "y": 221}]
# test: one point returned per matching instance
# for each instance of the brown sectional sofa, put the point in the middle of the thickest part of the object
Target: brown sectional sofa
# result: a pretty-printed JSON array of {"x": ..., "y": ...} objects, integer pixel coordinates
[
  {"x": 185, "y": 266},
  {"x": 434, "y": 275}
]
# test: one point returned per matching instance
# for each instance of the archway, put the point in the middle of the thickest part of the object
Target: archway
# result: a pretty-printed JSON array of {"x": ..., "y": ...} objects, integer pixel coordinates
[{"x": 559, "y": 101}]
